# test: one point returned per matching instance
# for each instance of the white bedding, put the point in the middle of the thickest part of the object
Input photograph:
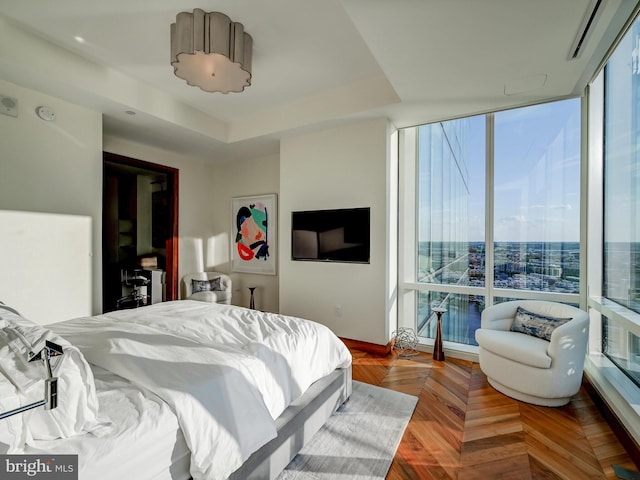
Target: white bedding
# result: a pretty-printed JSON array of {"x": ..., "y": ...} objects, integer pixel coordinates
[
  {"x": 229, "y": 371},
  {"x": 141, "y": 438}
]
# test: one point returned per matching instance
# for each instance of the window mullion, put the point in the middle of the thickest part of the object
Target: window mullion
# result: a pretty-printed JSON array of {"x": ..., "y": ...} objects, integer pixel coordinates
[{"x": 489, "y": 258}]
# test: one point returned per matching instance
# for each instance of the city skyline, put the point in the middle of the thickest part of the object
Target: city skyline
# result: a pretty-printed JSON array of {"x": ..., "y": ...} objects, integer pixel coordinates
[
  {"x": 539, "y": 266},
  {"x": 533, "y": 266}
]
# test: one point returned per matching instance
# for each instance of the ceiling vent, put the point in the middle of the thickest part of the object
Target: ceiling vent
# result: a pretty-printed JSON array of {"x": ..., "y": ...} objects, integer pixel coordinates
[{"x": 586, "y": 27}]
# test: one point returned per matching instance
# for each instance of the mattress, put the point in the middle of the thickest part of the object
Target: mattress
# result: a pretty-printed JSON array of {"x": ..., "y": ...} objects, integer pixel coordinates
[{"x": 140, "y": 436}]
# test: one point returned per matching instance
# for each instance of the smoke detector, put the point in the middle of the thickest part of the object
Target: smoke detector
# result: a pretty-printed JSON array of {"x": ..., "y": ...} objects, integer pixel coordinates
[{"x": 9, "y": 106}]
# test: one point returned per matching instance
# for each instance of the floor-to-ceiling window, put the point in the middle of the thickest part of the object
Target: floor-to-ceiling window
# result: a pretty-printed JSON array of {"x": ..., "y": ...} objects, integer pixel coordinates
[
  {"x": 613, "y": 363},
  {"x": 450, "y": 224},
  {"x": 497, "y": 214},
  {"x": 504, "y": 206},
  {"x": 620, "y": 86}
]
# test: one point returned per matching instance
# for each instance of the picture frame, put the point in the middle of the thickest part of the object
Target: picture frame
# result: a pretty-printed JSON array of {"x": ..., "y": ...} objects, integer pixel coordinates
[{"x": 254, "y": 229}]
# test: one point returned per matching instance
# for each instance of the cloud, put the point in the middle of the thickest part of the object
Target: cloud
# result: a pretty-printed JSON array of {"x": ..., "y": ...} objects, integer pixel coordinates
[
  {"x": 566, "y": 206},
  {"x": 513, "y": 219}
]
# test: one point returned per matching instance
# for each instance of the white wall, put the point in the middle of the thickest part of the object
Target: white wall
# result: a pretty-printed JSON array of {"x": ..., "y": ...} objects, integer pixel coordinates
[
  {"x": 255, "y": 176},
  {"x": 46, "y": 265},
  {"x": 54, "y": 167},
  {"x": 339, "y": 168}
]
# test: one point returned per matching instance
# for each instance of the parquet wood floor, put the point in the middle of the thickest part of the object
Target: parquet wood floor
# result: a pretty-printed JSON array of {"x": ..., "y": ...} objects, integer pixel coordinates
[{"x": 464, "y": 429}]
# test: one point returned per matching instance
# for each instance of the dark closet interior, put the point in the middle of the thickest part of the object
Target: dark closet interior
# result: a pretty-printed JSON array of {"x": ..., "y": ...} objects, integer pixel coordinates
[{"x": 137, "y": 225}]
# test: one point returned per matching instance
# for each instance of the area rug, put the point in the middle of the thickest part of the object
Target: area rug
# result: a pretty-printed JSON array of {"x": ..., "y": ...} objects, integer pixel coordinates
[{"x": 359, "y": 441}]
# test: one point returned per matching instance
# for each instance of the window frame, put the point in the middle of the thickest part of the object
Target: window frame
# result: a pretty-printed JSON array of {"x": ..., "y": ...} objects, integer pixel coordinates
[{"x": 408, "y": 202}]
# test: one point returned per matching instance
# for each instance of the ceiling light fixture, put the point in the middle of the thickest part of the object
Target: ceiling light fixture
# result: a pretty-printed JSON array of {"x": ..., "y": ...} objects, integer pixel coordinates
[{"x": 210, "y": 51}]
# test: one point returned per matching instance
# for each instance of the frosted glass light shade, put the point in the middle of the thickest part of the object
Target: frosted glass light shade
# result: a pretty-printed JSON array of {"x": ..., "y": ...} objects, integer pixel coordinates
[{"x": 210, "y": 51}]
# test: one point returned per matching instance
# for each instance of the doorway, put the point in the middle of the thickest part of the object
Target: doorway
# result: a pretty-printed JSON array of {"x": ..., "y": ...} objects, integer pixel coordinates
[{"x": 139, "y": 227}]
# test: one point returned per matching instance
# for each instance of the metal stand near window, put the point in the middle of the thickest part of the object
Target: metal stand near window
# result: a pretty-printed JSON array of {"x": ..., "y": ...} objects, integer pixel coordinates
[
  {"x": 50, "y": 383},
  {"x": 252, "y": 302},
  {"x": 438, "y": 353}
]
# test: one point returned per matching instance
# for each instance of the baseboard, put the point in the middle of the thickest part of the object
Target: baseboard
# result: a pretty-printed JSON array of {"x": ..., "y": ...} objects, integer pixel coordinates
[
  {"x": 384, "y": 350},
  {"x": 372, "y": 348},
  {"x": 627, "y": 441},
  {"x": 452, "y": 353}
]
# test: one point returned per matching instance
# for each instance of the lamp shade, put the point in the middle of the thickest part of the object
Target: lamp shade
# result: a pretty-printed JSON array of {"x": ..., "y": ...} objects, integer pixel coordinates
[{"x": 210, "y": 51}]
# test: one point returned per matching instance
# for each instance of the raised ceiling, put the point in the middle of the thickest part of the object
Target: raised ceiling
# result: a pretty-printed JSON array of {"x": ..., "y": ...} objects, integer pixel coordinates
[{"x": 315, "y": 63}]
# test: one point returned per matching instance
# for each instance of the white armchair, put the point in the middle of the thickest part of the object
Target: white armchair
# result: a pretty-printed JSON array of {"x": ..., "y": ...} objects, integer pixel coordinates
[
  {"x": 212, "y": 287},
  {"x": 528, "y": 368}
]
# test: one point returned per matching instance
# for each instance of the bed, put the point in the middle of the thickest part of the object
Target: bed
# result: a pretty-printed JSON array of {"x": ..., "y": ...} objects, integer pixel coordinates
[{"x": 175, "y": 390}]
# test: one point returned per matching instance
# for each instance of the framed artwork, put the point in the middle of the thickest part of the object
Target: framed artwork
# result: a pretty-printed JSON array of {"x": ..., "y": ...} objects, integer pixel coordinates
[{"x": 253, "y": 234}]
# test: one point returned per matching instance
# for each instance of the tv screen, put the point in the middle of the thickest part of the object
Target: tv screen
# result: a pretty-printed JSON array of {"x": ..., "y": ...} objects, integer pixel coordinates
[{"x": 340, "y": 235}]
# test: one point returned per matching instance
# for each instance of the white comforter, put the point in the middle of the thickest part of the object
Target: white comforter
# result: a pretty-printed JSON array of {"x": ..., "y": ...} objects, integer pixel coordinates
[
  {"x": 122, "y": 447},
  {"x": 227, "y": 371}
]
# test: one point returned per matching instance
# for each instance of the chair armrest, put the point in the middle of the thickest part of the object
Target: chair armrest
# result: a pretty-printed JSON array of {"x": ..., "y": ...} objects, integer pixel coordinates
[
  {"x": 499, "y": 317},
  {"x": 225, "y": 282},
  {"x": 568, "y": 342}
]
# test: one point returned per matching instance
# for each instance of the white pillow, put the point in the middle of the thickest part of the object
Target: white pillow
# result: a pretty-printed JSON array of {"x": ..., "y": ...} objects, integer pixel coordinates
[{"x": 77, "y": 405}]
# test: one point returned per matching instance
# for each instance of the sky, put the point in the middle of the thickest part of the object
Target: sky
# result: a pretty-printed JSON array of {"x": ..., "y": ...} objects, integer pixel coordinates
[{"x": 537, "y": 176}]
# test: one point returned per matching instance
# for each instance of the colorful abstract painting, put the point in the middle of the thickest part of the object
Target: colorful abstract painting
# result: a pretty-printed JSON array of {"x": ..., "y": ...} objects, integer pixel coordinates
[{"x": 253, "y": 234}]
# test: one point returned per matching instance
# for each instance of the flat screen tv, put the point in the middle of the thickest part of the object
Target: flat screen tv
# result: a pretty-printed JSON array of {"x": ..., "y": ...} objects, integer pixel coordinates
[{"x": 341, "y": 235}]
